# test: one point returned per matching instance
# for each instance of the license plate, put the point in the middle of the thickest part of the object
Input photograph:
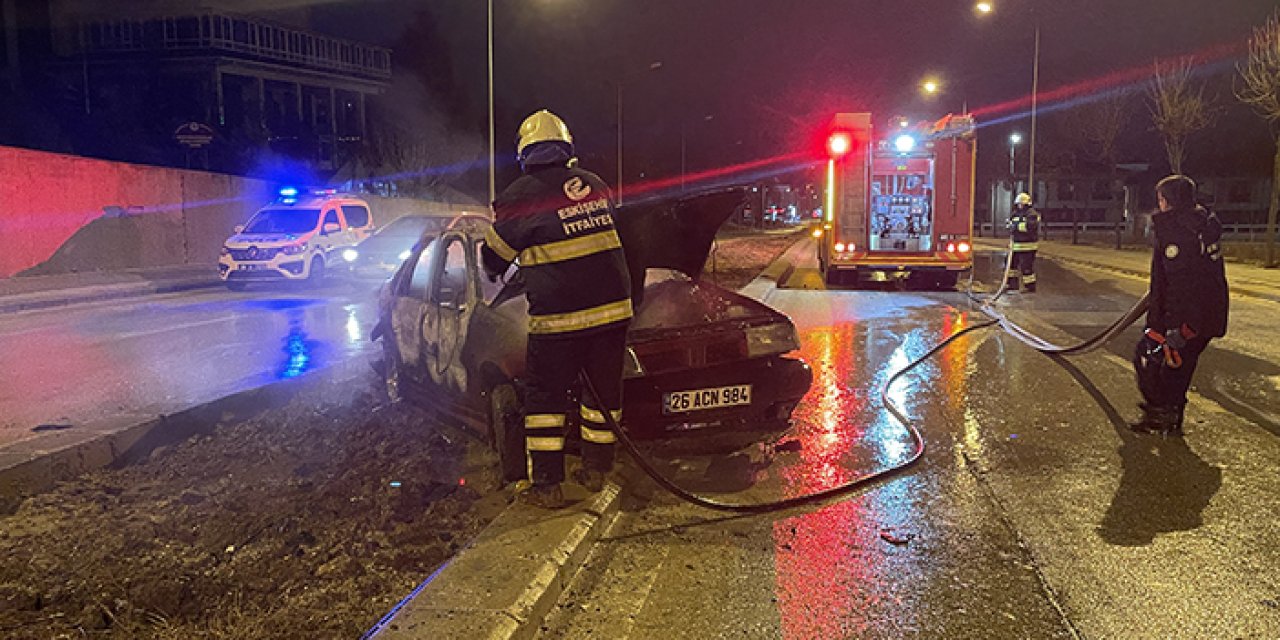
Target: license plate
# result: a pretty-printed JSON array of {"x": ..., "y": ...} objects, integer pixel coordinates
[{"x": 703, "y": 399}]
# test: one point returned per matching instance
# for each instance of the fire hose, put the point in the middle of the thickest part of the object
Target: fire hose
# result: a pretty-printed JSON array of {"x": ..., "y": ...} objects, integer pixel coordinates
[{"x": 899, "y": 414}]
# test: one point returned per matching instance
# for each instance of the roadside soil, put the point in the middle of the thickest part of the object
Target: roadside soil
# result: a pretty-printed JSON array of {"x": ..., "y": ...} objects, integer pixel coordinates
[
  {"x": 307, "y": 521},
  {"x": 737, "y": 258}
]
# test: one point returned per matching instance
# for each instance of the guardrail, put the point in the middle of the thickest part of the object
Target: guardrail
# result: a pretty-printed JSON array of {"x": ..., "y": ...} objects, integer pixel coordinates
[{"x": 1067, "y": 230}]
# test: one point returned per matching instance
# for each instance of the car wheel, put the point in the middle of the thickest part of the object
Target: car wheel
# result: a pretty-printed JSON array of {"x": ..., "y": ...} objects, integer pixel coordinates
[
  {"x": 391, "y": 372},
  {"x": 236, "y": 286},
  {"x": 316, "y": 274},
  {"x": 507, "y": 428}
]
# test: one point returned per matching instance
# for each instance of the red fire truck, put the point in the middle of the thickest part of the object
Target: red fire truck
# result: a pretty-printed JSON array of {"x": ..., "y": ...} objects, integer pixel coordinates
[{"x": 899, "y": 204}]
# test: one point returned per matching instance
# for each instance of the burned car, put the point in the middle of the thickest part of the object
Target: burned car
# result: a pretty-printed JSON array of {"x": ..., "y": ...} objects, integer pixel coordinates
[{"x": 698, "y": 356}]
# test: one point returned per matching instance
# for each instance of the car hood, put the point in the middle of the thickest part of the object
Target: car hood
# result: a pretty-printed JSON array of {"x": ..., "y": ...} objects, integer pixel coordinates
[
  {"x": 242, "y": 240},
  {"x": 674, "y": 233}
]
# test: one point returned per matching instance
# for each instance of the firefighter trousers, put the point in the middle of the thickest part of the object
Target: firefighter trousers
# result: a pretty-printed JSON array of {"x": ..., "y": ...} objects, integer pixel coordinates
[
  {"x": 1165, "y": 387},
  {"x": 1024, "y": 268},
  {"x": 553, "y": 365}
]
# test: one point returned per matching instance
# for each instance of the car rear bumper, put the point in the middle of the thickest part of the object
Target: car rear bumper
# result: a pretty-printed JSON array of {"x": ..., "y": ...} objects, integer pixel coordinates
[{"x": 777, "y": 385}]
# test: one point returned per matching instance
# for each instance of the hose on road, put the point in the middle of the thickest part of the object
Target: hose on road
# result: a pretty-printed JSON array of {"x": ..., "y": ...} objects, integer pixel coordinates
[{"x": 985, "y": 306}]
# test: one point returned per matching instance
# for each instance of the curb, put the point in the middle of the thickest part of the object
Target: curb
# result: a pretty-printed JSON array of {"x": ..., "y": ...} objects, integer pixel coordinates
[
  {"x": 33, "y": 466},
  {"x": 773, "y": 275},
  {"x": 486, "y": 591},
  {"x": 49, "y": 299}
]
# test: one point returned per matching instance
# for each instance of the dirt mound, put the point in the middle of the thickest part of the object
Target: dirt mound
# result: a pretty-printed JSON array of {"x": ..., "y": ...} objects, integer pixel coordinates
[{"x": 309, "y": 521}]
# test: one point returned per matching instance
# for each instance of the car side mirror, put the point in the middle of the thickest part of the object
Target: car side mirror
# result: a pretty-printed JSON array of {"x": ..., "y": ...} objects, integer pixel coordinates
[
  {"x": 331, "y": 227},
  {"x": 239, "y": 228}
]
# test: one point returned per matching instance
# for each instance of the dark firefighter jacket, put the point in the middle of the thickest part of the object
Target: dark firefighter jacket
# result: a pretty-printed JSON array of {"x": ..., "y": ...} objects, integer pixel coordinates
[
  {"x": 1188, "y": 279},
  {"x": 1024, "y": 228},
  {"x": 558, "y": 222}
]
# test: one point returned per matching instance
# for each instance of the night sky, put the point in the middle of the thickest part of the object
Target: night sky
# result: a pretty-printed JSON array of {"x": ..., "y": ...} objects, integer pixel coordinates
[{"x": 771, "y": 72}]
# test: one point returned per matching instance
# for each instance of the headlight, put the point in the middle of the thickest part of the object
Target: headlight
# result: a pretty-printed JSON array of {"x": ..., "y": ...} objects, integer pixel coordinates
[
  {"x": 293, "y": 249},
  {"x": 631, "y": 367},
  {"x": 771, "y": 339},
  {"x": 350, "y": 255},
  {"x": 404, "y": 255}
]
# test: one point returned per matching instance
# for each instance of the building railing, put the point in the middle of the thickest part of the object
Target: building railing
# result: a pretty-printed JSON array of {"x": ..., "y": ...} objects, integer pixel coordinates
[{"x": 248, "y": 37}]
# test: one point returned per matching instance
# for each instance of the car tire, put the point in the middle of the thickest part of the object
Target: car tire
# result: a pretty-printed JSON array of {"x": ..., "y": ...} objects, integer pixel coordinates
[
  {"x": 316, "y": 275},
  {"x": 506, "y": 426},
  {"x": 392, "y": 372},
  {"x": 237, "y": 286}
]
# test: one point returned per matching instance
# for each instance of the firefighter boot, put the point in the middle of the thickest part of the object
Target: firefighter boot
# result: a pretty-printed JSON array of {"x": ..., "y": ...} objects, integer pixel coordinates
[
  {"x": 543, "y": 496},
  {"x": 1159, "y": 420},
  {"x": 590, "y": 479}
]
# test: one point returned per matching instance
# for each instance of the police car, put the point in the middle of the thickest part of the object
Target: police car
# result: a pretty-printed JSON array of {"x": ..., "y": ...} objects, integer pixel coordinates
[{"x": 297, "y": 237}]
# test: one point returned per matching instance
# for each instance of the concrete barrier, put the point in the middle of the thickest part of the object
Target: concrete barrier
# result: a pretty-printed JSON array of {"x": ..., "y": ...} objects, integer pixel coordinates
[{"x": 66, "y": 214}]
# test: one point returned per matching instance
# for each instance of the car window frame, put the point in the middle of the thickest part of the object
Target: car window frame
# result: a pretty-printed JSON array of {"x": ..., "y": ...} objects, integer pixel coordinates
[
  {"x": 324, "y": 218},
  {"x": 446, "y": 241},
  {"x": 368, "y": 215}
]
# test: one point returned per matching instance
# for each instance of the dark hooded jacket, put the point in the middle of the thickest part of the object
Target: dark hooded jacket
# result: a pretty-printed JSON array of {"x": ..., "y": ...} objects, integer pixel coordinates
[{"x": 1188, "y": 279}]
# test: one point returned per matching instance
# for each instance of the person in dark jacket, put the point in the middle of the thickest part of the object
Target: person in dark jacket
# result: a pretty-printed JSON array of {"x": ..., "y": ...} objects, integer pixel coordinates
[
  {"x": 1189, "y": 304},
  {"x": 1024, "y": 236},
  {"x": 556, "y": 221}
]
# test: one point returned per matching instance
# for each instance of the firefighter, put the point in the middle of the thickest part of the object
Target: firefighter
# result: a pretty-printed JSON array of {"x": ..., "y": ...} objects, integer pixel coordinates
[
  {"x": 1024, "y": 230},
  {"x": 556, "y": 221},
  {"x": 1189, "y": 304}
]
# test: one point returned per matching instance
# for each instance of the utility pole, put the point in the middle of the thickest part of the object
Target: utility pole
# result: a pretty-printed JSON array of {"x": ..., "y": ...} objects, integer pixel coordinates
[{"x": 493, "y": 180}]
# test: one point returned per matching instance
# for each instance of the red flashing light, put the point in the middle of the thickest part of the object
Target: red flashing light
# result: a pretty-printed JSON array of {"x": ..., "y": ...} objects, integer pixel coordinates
[
  {"x": 839, "y": 247},
  {"x": 964, "y": 247},
  {"x": 839, "y": 144},
  {"x": 951, "y": 247}
]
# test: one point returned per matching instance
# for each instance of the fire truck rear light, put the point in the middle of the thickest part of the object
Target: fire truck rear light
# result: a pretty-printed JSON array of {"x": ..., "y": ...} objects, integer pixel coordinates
[
  {"x": 964, "y": 247},
  {"x": 839, "y": 247},
  {"x": 817, "y": 233},
  {"x": 951, "y": 247}
]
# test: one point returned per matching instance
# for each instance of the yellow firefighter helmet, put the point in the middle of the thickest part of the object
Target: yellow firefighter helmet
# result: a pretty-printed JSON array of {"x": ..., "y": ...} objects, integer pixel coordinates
[
  {"x": 542, "y": 126},
  {"x": 1023, "y": 199}
]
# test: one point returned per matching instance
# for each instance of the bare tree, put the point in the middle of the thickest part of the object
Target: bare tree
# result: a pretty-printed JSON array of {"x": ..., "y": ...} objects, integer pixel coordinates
[
  {"x": 1178, "y": 105},
  {"x": 1260, "y": 89},
  {"x": 1097, "y": 125}
]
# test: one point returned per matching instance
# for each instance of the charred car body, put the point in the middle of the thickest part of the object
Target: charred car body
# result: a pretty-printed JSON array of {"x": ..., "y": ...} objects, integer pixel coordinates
[{"x": 698, "y": 355}]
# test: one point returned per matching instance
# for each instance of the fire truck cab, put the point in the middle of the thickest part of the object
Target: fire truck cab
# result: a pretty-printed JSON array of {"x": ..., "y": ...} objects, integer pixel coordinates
[{"x": 899, "y": 204}]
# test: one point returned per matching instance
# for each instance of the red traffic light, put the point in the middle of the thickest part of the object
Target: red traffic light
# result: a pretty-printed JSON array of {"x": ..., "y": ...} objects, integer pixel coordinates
[{"x": 839, "y": 144}]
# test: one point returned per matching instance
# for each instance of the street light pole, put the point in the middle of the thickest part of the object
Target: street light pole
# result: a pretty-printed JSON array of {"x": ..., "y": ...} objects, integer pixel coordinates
[
  {"x": 621, "y": 179},
  {"x": 1035, "y": 99},
  {"x": 493, "y": 180}
]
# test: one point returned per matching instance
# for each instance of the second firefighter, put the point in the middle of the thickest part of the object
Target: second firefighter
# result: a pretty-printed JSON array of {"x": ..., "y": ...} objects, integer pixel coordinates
[{"x": 1024, "y": 236}]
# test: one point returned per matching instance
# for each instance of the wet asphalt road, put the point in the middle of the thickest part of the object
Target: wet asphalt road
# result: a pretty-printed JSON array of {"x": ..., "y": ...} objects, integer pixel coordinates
[
  {"x": 1033, "y": 514},
  {"x": 91, "y": 366}
]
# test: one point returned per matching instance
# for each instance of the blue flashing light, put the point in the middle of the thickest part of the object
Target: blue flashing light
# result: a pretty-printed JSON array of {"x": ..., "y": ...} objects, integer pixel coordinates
[
  {"x": 904, "y": 143},
  {"x": 288, "y": 192}
]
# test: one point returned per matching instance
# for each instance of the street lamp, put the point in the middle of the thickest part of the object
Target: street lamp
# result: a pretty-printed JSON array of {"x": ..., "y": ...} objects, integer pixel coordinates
[
  {"x": 987, "y": 8},
  {"x": 930, "y": 86},
  {"x": 1015, "y": 139}
]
